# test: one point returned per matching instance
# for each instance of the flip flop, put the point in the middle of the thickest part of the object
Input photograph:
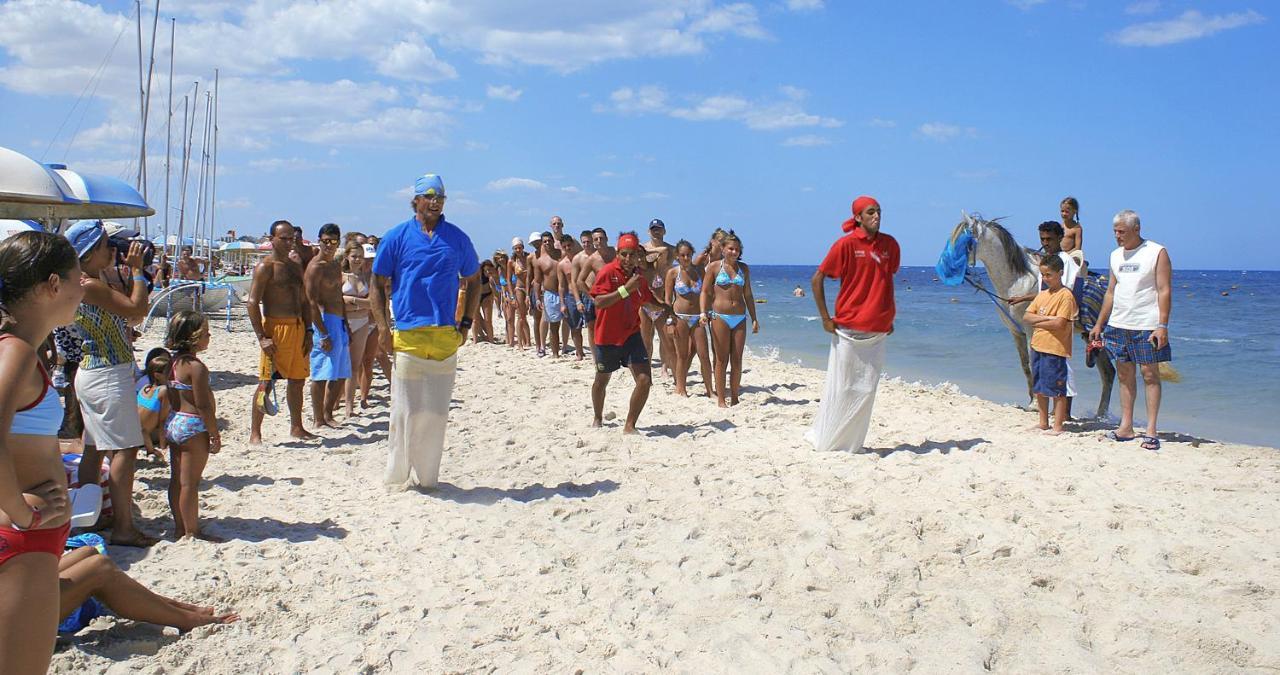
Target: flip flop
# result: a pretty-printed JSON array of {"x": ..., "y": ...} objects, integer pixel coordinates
[
  {"x": 1151, "y": 443},
  {"x": 1118, "y": 438}
]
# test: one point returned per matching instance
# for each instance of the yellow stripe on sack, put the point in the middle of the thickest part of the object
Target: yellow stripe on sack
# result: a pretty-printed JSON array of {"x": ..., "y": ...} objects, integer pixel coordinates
[{"x": 429, "y": 342}]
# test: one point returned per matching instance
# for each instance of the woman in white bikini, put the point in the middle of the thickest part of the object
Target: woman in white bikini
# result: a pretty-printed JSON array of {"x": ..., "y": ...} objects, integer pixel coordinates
[
  {"x": 684, "y": 293},
  {"x": 355, "y": 295}
]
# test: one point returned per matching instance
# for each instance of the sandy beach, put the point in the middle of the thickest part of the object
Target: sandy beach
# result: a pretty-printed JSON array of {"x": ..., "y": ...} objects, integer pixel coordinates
[{"x": 716, "y": 541}]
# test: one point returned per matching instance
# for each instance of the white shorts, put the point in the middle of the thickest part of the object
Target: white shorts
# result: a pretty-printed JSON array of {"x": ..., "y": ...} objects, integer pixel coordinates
[{"x": 109, "y": 405}]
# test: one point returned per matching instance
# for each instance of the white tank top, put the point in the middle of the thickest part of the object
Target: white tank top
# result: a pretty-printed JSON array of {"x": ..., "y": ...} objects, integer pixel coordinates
[{"x": 1135, "y": 305}]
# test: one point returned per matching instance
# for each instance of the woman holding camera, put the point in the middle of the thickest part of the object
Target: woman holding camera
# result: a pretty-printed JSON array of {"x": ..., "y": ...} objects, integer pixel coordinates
[{"x": 104, "y": 383}]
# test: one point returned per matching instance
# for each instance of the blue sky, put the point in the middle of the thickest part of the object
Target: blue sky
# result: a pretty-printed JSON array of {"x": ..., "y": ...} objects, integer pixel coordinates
[{"x": 768, "y": 117}]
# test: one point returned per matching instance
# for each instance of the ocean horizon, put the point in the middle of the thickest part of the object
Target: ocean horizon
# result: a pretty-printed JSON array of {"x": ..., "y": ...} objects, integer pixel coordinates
[{"x": 1224, "y": 327}]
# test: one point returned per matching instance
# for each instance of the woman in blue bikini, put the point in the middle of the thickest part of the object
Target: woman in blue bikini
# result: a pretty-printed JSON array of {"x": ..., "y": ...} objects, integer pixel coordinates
[
  {"x": 192, "y": 427},
  {"x": 726, "y": 298},
  {"x": 153, "y": 409},
  {"x": 684, "y": 293}
]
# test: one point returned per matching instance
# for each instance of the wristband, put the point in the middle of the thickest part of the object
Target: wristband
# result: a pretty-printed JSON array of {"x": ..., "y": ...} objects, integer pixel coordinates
[
  {"x": 139, "y": 278},
  {"x": 623, "y": 292},
  {"x": 35, "y": 521},
  {"x": 1162, "y": 325},
  {"x": 465, "y": 323}
]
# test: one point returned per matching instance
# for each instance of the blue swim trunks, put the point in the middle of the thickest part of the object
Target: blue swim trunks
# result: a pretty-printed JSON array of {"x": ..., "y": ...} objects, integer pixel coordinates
[
  {"x": 334, "y": 364},
  {"x": 1049, "y": 374},
  {"x": 1134, "y": 346},
  {"x": 551, "y": 306}
]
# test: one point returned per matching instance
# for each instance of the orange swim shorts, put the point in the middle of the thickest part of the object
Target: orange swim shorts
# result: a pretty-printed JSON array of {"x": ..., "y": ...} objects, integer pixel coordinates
[{"x": 291, "y": 361}]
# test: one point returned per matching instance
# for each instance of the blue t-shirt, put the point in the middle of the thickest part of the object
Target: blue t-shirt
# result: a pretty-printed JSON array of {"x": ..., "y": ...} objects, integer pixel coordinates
[{"x": 424, "y": 271}]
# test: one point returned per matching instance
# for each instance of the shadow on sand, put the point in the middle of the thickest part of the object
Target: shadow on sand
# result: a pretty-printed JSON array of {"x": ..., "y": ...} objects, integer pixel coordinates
[
  {"x": 225, "y": 379},
  {"x": 262, "y": 529},
  {"x": 945, "y": 447},
  {"x": 677, "y": 430},
  {"x": 531, "y": 493},
  {"x": 756, "y": 389}
]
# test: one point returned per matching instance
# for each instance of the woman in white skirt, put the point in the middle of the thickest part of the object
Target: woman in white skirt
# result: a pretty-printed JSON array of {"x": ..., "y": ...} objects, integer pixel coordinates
[{"x": 105, "y": 380}]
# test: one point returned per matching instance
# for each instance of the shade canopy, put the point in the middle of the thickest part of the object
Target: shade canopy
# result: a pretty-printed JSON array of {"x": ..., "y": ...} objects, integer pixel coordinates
[
  {"x": 29, "y": 190},
  {"x": 103, "y": 196},
  {"x": 238, "y": 246},
  {"x": 8, "y": 228}
]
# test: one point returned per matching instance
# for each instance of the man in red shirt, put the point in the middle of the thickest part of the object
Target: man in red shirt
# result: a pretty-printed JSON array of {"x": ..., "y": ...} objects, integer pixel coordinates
[
  {"x": 619, "y": 292},
  {"x": 864, "y": 260}
]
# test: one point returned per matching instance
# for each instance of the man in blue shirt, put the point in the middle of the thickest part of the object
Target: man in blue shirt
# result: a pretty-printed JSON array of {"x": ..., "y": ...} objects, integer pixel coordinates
[{"x": 418, "y": 266}]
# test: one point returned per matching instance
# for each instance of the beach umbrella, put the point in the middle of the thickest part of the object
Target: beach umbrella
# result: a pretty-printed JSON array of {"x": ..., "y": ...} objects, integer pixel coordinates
[
  {"x": 265, "y": 246},
  {"x": 173, "y": 241},
  {"x": 238, "y": 246},
  {"x": 103, "y": 196},
  {"x": 8, "y": 228},
  {"x": 29, "y": 190}
]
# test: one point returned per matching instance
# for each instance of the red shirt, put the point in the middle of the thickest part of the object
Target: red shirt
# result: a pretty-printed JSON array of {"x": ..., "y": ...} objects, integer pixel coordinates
[
  {"x": 865, "y": 268},
  {"x": 621, "y": 320}
]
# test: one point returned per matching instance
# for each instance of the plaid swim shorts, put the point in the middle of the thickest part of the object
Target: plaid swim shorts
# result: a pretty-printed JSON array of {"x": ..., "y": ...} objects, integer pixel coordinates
[{"x": 1134, "y": 346}]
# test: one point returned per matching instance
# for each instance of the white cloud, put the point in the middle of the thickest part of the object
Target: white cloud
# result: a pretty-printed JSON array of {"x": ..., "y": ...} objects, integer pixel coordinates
[
  {"x": 1025, "y": 5},
  {"x": 655, "y": 195},
  {"x": 571, "y": 189},
  {"x": 415, "y": 61},
  {"x": 522, "y": 183},
  {"x": 943, "y": 132},
  {"x": 475, "y": 146},
  {"x": 806, "y": 141},
  {"x": 1190, "y": 25},
  {"x": 608, "y": 174},
  {"x": 880, "y": 123},
  {"x": 804, "y": 5},
  {"x": 1142, "y": 7},
  {"x": 759, "y": 115},
  {"x": 288, "y": 164},
  {"x": 504, "y": 92},
  {"x": 237, "y": 203}
]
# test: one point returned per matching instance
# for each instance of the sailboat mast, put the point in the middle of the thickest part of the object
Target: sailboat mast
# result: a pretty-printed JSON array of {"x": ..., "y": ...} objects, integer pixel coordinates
[
  {"x": 146, "y": 107},
  {"x": 168, "y": 133},
  {"x": 213, "y": 190}
]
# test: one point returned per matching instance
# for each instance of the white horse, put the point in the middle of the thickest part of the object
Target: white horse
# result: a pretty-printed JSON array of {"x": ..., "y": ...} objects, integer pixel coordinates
[{"x": 1012, "y": 271}]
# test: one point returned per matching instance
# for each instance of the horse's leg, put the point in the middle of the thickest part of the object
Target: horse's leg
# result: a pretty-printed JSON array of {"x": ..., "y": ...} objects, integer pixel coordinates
[
  {"x": 1020, "y": 341},
  {"x": 1107, "y": 373}
]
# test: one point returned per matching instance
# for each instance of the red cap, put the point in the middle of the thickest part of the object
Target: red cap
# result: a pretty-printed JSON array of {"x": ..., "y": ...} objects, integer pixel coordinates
[
  {"x": 627, "y": 241},
  {"x": 859, "y": 205}
]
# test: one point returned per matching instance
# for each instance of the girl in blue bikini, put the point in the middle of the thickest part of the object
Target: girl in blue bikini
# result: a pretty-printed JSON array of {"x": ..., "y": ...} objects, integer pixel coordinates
[
  {"x": 684, "y": 293},
  {"x": 192, "y": 427},
  {"x": 153, "y": 405},
  {"x": 726, "y": 301}
]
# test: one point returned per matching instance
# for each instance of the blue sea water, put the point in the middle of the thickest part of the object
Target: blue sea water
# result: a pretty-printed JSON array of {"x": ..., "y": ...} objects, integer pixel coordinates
[{"x": 1226, "y": 347}]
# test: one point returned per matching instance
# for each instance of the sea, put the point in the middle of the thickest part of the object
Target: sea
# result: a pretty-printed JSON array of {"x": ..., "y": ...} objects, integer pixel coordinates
[{"x": 1224, "y": 330}]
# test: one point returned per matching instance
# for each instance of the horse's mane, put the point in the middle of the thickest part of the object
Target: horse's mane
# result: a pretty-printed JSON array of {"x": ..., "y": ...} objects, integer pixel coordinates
[{"x": 1014, "y": 255}]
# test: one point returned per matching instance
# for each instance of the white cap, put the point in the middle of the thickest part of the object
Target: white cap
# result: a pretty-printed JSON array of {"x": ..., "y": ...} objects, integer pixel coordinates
[
  {"x": 516, "y": 241},
  {"x": 370, "y": 251}
]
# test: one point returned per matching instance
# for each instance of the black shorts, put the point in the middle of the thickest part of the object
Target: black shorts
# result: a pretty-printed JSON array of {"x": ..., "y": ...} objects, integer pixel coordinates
[{"x": 612, "y": 357}]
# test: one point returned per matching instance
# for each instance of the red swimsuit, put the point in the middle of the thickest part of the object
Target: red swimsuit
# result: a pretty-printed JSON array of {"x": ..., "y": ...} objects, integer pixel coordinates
[{"x": 14, "y": 542}]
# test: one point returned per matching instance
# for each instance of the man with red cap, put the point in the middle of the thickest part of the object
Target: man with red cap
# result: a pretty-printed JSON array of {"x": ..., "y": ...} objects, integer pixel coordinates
[
  {"x": 864, "y": 260},
  {"x": 618, "y": 292}
]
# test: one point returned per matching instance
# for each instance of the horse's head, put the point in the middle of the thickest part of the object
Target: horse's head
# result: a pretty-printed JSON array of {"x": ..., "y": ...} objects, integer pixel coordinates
[
  {"x": 992, "y": 243},
  {"x": 970, "y": 226}
]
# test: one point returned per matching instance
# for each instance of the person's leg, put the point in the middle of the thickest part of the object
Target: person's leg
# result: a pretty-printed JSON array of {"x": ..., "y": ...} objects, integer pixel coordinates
[
  {"x": 1042, "y": 404},
  {"x": 598, "y": 387},
  {"x": 646, "y": 334},
  {"x": 739, "y": 336},
  {"x": 318, "y": 417},
  {"x": 175, "y": 489},
  {"x": 371, "y": 351},
  {"x": 90, "y": 470},
  {"x": 195, "y": 456},
  {"x": 699, "y": 337},
  {"x": 642, "y": 374},
  {"x": 294, "y": 396},
  {"x": 666, "y": 349},
  {"x": 553, "y": 335},
  {"x": 28, "y": 612},
  {"x": 255, "y": 415},
  {"x": 84, "y": 573},
  {"x": 683, "y": 357},
  {"x": 356, "y": 350},
  {"x": 721, "y": 337},
  {"x": 1126, "y": 372},
  {"x": 1154, "y": 390},
  {"x": 1059, "y": 413},
  {"x": 431, "y": 418},
  {"x": 123, "y": 532}
]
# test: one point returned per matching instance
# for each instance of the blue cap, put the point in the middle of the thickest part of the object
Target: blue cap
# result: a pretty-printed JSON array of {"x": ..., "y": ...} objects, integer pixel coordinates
[
  {"x": 84, "y": 235},
  {"x": 430, "y": 184}
]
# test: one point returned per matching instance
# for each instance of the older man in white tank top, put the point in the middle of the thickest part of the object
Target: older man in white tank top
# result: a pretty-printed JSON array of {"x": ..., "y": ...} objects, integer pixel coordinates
[{"x": 1135, "y": 314}]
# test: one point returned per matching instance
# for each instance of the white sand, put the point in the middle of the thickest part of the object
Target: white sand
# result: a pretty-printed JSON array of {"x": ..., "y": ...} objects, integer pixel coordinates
[{"x": 718, "y": 541}]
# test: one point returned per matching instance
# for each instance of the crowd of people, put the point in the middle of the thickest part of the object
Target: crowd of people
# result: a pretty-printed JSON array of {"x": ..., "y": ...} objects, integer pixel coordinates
[{"x": 329, "y": 313}]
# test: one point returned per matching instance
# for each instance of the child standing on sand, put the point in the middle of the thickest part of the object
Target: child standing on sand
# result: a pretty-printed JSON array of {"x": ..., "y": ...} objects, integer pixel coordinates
[
  {"x": 153, "y": 403},
  {"x": 192, "y": 427},
  {"x": 1051, "y": 316}
]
